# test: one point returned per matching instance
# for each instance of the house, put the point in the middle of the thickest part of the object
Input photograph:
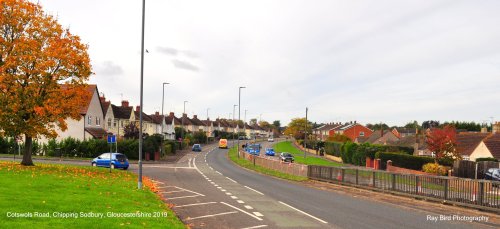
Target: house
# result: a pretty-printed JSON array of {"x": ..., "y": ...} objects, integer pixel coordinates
[
  {"x": 478, "y": 145},
  {"x": 163, "y": 123},
  {"x": 249, "y": 131},
  {"x": 198, "y": 125},
  {"x": 323, "y": 131},
  {"x": 352, "y": 130},
  {"x": 403, "y": 132},
  {"x": 186, "y": 123},
  {"x": 91, "y": 125},
  {"x": 209, "y": 127},
  {"x": 120, "y": 116},
  {"x": 171, "y": 122},
  {"x": 382, "y": 137},
  {"x": 148, "y": 127},
  {"x": 496, "y": 127}
]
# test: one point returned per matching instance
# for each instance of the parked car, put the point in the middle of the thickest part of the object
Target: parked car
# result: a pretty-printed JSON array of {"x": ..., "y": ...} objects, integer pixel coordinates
[
  {"x": 286, "y": 157},
  {"x": 270, "y": 152},
  {"x": 270, "y": 139},
  {"x": 196, "y": 148},
  {"x": 492, "y": 174},
  {"x": 118, "y": 161}
]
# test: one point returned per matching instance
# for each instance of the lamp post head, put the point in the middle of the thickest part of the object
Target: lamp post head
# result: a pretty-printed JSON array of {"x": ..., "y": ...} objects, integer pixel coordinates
[
  {"x": 242, "y": 87},
  {"x": 165, "y": 83}
]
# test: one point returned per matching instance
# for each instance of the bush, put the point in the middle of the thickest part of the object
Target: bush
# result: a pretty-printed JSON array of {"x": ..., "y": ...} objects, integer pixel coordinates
[
  {"x": 347, "y": 152},
  {"x": 333, "y": 148},
  {"x": 486, "y": 159},
  {"x": 404, "y": 160},
  {"x": 359, "y": 155},
  {"x": 435, "y": 169}
]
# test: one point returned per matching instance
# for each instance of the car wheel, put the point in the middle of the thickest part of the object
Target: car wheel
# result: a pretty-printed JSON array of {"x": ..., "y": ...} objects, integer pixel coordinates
[
  {"x": 125, "y": 168},
  {"x": 94, "y": 164},
  {"x": 112, "y": 166}
]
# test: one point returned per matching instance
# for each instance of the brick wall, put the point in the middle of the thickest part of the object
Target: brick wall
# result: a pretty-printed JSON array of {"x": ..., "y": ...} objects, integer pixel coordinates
[{"x": 391, "y": 168}]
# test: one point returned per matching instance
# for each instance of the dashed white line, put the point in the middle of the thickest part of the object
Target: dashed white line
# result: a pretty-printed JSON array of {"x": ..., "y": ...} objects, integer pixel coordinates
[
  {"x": 181, "y": 197},
  {"x": 188, "y": 205},
  {"x": 248, "y": 207},
  {"x": 173, "y": 191},
  {"x": 229, "y": 205},
  {"x": 314, "y": 217},
  {"x": 206, "y": 216},
  {"x": 254, "y": 190},
  {"x": 254, "y": 227},
  {"x": 219, "y": 187},
  {"x": 229, "y": 194},
  {"x": 218, "y": 172},
  {"x": 231, "y": 180},
  {"x": 223, "y": 190},
  {"x": 240, "y": 201},
  {"x": 258, "y": 214},
  {"x": 234, "y": 197}
]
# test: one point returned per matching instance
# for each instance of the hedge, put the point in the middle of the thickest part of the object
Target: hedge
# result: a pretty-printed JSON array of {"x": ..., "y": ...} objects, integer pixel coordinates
[
  {"x": 333, "y": 148},
  {"x": 404, "y": 160},
  {"x": 486, "y": 159}
]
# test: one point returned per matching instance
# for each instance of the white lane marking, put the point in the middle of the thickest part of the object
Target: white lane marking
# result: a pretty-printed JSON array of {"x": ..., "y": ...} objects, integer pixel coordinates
[
  {"x": 189, "y": 162},
  {"x": 234, "y": 197},
  {"x": 240, "y": 201},
  {"x": 212, "y": 182},
  {"x": 181, "y": 197},
  {"x": 168, "y": 167},
  {"x": 314, "y": 217},
  {"x": 223, "y": 190},
  {"x": 248, "y": 207},
  {"x": 206, "y": 216},
  {"x": 231, "y": 180},
  {"x": 229, "y": 194},
  {"x": 229, "y": 205},
  {"x": 216, "y": 185},
  {"x": 159, "y": 182},
  {"x": 254, "y": 190},
  {"x": 211, "y": 168},
  {"x": 258, "y": 214},
  {"x": 188, "y": 205},
  {"x": 190, "y": 191},
  {"x": 173, "y": 191},
  {"x": 219, "y": 187},
  {"x": 254, "y": 227},
  {"x": 218, "y": 172},
  {"x": 209, "y": 180}
]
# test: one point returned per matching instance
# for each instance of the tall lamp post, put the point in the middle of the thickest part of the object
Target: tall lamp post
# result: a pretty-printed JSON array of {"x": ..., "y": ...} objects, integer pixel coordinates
[
  {"x": 208, "y": 128},
  {"x": 182, "y": 124},
  {"x": 234, "y": 107},
  {"x": 162, "y": 117},
  {"x": 305, "y": 135},
  {"x": 139, "y": 163},
  {"x": 239, "y": 118}
]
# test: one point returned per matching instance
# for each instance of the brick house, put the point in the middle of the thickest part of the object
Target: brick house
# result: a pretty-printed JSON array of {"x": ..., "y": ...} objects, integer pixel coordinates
[{"x": 352, "y": 130}]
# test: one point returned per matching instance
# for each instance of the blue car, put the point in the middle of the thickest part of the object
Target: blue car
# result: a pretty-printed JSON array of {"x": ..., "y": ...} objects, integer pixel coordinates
[
  {"x": 196, "y": 148},
  {"x": 118, "y": 161},
  {"x": 253, "y": 149},
  {"x": 270, "y": 152}
]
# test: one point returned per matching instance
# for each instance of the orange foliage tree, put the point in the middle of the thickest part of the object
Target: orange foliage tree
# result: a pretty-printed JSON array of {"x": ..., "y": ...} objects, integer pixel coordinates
[
  {"x": 43, "y": 73},
  {"x": 443, "y": 143}
]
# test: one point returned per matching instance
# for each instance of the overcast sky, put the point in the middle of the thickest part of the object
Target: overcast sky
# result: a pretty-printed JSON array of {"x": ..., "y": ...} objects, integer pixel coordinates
[{"x": 371, "y": 61}]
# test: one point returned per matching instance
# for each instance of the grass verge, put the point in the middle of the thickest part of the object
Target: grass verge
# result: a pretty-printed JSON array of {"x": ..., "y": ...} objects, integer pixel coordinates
[
  {"x": 299, "y": 155},
  {"x": 62, "y": 196},
  {"x": 249, "y": 165}
]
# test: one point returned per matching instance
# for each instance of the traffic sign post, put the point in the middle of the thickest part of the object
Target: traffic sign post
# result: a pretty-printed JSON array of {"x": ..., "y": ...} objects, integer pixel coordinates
[{"x": 111, "y": 140}]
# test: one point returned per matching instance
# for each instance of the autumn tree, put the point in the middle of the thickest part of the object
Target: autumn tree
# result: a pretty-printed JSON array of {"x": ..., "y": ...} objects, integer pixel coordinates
[
  {"x": 297, "y": 126},
  {"x": 443, "y": 143},
  {"x": 131, "y": 131},
  {"x": 43, "y": 70}
]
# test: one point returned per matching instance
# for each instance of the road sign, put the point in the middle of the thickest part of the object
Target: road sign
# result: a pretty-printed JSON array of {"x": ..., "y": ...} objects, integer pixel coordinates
[{"x": 111, "y": 138}]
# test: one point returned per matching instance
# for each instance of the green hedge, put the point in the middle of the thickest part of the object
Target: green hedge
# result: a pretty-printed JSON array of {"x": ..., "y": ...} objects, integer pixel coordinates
[
  {"x": 404, "y": 160},
  {"x": 486, "y": 159},
  {"x": 333, "y": 148}
]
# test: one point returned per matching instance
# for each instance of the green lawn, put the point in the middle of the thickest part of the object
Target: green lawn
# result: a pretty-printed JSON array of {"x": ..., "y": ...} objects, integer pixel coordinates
[
  {"x": 74, "y": 191},
  {"x": 299, "y": 155},
  {"x": 249, "y": 165}
]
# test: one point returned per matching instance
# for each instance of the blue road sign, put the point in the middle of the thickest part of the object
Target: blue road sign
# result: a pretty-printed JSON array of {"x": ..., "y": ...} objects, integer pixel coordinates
[{"x": 111, "y": 138}]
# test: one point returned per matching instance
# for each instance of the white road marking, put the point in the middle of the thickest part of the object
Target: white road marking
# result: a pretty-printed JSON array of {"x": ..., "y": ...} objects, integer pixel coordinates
[
  {"x": 229, "y": 205},
  {"x": 219, "y": 187},
  {"x": 254, "y": 190},
  {"x": 229, "y": 194},
  {"x": 159, "y": 182},
  {"x": 248, "y": 207},
  {"x": 231, "y": 180},
  {"x": 188, "y": 205},
  {"x": 212, "y": 182},
  {"x": 206, "y": 216},
  {"x": 190, "y": 191},
  {"x": 211, "y": 168},
  {"x": 173, "y": 191},
  {"x": 240, "y": 201},
  {"x": 189, "y": 162},
  {"x": 234, "y": 197},
  {"x": 314, "y": 217},
  {"x": 216, "y": 185},
  {"x": 169, "y": 167},
  {"x": 218, "y": 172},
  {"x": 258, "y": 214},
  {"x": 254, "y": 227},
  {"x": 181, "y": 197},
  {"x": 223, "y": 190}
]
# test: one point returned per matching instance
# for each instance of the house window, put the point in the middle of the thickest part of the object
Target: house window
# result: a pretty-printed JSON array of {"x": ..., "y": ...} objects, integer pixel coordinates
[
  {"x": 97, "y": 121},
  {"x": 361, "y": 134},
  {"x": 89, "y": 120},
  {"x": 114, "y": 123},
  {"x": 109, "y": 122}
]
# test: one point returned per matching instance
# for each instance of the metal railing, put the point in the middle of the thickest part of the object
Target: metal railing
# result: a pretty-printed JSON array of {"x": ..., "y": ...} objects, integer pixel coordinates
[{"x": 450, "y": 189}]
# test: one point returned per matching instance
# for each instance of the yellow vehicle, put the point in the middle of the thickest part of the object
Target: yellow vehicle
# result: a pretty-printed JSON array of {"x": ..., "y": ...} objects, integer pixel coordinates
[{"x": 223, "y": 143}]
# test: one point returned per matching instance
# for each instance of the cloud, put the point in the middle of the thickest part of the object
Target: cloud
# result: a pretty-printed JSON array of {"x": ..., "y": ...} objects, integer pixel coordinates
[
  {"x": 167, "y": 50},
  {"x": 108, "y": 68},
  {"x": 185, "y": 65}
]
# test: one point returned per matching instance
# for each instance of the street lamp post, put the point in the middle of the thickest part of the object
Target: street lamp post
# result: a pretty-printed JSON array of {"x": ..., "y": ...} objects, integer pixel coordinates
[
  {"x": 139, "y": 163},
  {"x": 239, "y": 118},
  {"x": 305, "y": 136},
  {"x": 208, "y": 127},
  {"x": 182, "y": 124},
  {"x": 162, "y": 117}
]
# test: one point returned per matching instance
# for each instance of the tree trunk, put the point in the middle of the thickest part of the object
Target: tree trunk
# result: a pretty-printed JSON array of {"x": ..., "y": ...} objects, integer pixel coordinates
[{"x": 28, "y": 148}]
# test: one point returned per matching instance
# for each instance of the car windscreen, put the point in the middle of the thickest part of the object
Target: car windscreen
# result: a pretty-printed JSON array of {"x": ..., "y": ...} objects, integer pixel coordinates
[{"x": 121, "y": 157}]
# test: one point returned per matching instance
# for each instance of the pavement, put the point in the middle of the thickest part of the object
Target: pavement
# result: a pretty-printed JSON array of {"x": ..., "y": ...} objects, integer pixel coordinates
[{"x": 207, "y": 190}]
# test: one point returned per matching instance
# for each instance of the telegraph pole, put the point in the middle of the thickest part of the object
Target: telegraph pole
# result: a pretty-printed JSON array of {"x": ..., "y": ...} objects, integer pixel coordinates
[{"x": 305, "y": 136}]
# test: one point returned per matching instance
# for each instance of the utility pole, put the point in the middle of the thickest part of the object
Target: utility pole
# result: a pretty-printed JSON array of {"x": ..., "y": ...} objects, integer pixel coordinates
[
  {"x": 239, "y": 118},
  {"x": 305, "y": 136},
  {"x": 139, "y": 163},
  {"x": 182, "y": 124},
  {"x": 234, "y": 107},
  {"x": 162, "y": 117}
]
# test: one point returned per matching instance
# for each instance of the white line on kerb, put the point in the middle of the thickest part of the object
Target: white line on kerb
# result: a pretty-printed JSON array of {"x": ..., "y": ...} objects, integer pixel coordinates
[
  {"x": 187, "y": 205},
  {"x": 254, "y": 227},
  {"x": 205, "y": 216},
  {"x": 254, "y": 190},
  {"x": 229, "y": 205},
  {"x": 231, "y": 180},
  {"x": 314, "y": 217}
]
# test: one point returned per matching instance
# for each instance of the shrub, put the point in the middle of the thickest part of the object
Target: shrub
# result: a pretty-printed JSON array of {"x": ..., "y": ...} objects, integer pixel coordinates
[
  {"x": 486, "y": 159},
  {"x": 404, "y": 160},
  {"x": 435, "y": 169},
  {"x": 359, "y": 155},
  {"x": 333, "y": 148},
  {"x": 347, "y": 151}
]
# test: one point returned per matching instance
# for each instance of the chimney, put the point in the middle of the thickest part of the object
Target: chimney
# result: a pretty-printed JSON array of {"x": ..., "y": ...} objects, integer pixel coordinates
[
  {"x": 184, "y": 115},
  {"x": 124, "y": 103},
  {"x": 157, "y": 113},
  {"x": 171, "y": 114},
  {"x": 195, "y": 116},
  {"x": 137, "y": 108},
  {"x": 102, "y": 98},
  {"x": 354, "y": 121}
]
